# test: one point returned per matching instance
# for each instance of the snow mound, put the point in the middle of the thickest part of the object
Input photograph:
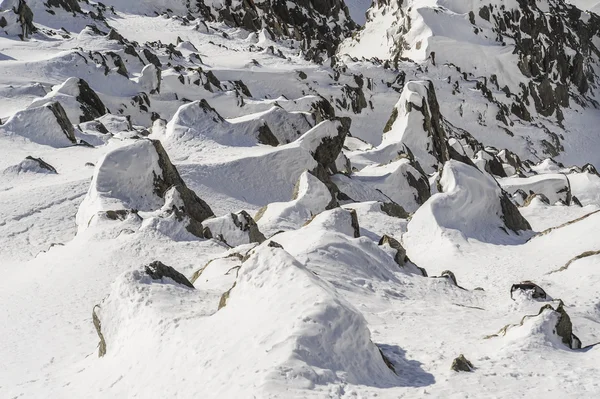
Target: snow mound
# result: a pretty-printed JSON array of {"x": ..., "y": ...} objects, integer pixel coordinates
[
  {"x": 233, "y": 229},
  {"x": 311, "y": 197},
  {"x": 470, "y": 205},
  {"x": 47, "y": 125},
  {"x": 398, "y": 181},
  {"x": 330, "y": 246},
  {"x": 320, "y": 340},
  {"x": 555, "y": 187}
]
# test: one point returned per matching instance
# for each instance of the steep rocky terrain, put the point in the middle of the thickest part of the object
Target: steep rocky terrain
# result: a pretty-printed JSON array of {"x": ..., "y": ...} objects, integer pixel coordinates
[{"x": 328, "y": 199}]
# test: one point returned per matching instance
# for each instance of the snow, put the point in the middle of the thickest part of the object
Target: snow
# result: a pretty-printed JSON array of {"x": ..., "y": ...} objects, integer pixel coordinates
[{"x": 319, "y": 309}]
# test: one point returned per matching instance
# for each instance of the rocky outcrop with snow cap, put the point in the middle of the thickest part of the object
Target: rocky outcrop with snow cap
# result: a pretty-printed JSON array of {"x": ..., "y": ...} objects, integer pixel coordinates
[
  {"x": 471, "y": 204},
  {"x": 47, "y": 124},
  {"x": 311, "y": 197},
  {"x": 140, "y": 179},
  {"x": 80, "y": 102}
]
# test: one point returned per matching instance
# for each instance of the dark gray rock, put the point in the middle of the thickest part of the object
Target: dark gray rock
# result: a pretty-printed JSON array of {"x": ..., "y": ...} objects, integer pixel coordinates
[
  {"x": 63, "y": 120},
  {"x": 92, "y": 106},
  {"x": 462, "y": 364},
  {"x": 511, "y": 216},
  {"x": 158, "y": 271}
]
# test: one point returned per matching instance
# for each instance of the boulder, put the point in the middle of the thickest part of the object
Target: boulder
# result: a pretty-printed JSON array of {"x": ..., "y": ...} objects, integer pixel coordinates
[{"x": 462, "y": 364}]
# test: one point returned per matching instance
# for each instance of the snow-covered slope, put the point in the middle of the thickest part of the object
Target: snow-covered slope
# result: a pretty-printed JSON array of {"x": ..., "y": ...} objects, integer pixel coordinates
[{"x": 285, "y": 199}]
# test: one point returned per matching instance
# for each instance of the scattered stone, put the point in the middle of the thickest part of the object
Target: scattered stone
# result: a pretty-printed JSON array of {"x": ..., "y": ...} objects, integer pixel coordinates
[{"x": 462, "y": 364}]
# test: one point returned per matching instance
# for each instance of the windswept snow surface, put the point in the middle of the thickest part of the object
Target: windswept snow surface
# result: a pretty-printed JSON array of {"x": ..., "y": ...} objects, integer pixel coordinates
[{"x": 334, "y": 187}]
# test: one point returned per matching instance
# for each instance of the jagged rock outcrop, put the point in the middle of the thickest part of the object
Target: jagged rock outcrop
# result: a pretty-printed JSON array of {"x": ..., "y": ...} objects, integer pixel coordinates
[
  {"x": 79, "y": 100},
  {"x": 191, "y": 205},
  {"x": 319, "y": 25}
]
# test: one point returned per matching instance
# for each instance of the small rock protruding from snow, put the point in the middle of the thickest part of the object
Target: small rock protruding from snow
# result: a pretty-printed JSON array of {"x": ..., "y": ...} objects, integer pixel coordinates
[
  {"x": 400, "y": 256},
  {"x": 159, "y": 271},
  {"x": 31, "y": 165},
  {"x": 535, "y": 290},
  {"x": 462, "y": 364}
]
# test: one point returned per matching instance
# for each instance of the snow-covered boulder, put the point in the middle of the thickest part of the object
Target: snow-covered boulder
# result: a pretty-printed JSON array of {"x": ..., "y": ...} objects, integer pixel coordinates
[
  {"x": 199, "y": 125},
  {"x": 140, "y": 178},
  {"x": 471, "y": 204},
  {"x": 399, "y": 181},
  {"x": 80, "y": 102},
  {"x": 233, "y": 229},
  {"x": 550, "y": 327},
  {"x": 317, "y": 342},
  {"x": 310, "y": 198},
  {"x": 47, "y": 125},
  {"x": 150, "y": 79}
]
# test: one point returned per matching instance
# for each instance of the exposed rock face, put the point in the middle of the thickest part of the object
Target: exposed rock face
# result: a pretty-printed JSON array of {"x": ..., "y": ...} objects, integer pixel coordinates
[
  {"x": 92, "y": 106},
  {"x": 67, "y": 5},
  {"x": 193, "y": 206},
  {"x": 511, "y": 215},
  {"x": 564, "y": 328},
  {"x": 400, "y": 257},
  {"x": 158, "y": 270},
  {"x": 462, "y": 364},
  {"x": 319, "y": 25}
]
